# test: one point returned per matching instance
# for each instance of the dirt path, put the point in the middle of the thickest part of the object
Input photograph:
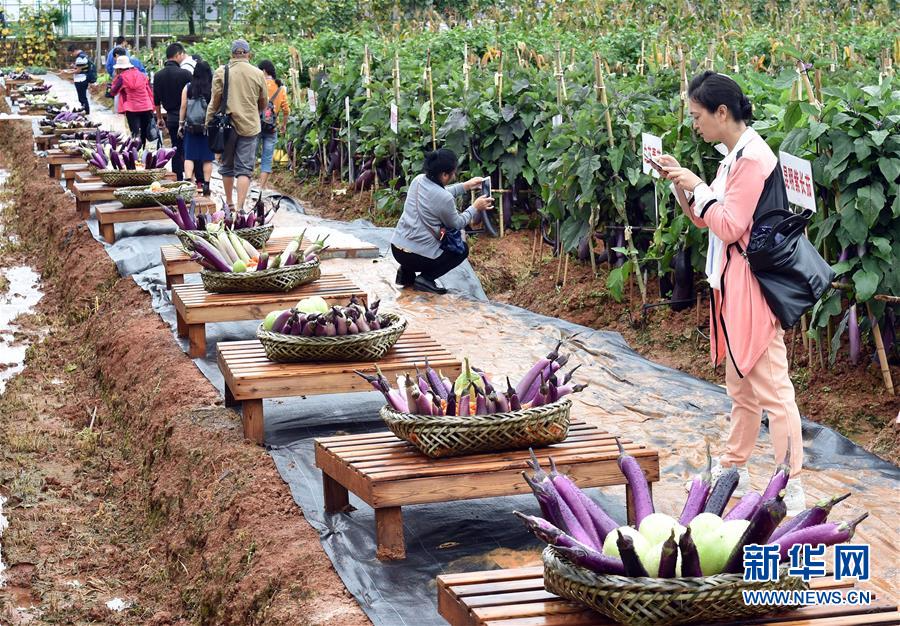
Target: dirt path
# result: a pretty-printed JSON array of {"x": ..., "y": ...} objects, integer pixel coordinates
[
  {"x": 850, "y": 399},
  {"x": 125, "y": 477}
]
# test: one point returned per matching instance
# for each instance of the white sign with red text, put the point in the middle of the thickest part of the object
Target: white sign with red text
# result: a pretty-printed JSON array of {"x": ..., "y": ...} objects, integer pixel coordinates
[
  {"x": 651, "y": 148},
  {"x": 798, "y": 179}
]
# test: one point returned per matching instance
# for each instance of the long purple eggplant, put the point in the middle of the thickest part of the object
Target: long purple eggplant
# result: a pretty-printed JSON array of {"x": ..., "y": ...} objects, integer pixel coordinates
[
  {"x": 536, "y": 369},
  {"x": 696, "y": 499},
  {"x": 210, "y": 252},
  {"x": 763, "y": 523},
  {"x": 569, "y": 492},
  {"x": 545, "y": 374},
  {"x": 435, "y": 381},
  {"x": 829, "y": 533},
  {"x": 640, "y": 490},
  {"x": 813, "y": 516},
  {"x": 746, "y": 507},
  {"x": 281, "y": 320},
  {"x": 779, "y": 479},
  {"x": 668, "y": 558},
  {"x": 593, "y": 560}
]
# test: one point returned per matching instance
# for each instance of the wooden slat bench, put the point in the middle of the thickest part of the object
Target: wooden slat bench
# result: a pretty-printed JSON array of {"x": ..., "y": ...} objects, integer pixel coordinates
[
  {"x": 70, "y": 170},
  {"x": 111, "y": 213},
  {"x": 89, "y": 188},
  {"x": 45, "y": 142},
  {"x": 195, "y": 307},
  {"x": 176, "y": 263},
  {"x": 387, "y": 473},
  {"x": 516, "y": 597},
  {"x": 56, "y": 158},
  {"x": 250, "y": 376}
]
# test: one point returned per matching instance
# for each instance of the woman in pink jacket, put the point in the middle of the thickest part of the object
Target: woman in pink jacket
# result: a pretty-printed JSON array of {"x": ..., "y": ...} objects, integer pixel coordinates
[
  {"x": 745, "y": 333},
  {"x": 135, "y": 97}
]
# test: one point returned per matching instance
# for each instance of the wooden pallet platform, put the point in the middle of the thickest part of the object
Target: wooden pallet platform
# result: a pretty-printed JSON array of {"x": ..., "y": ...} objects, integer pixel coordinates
[
  {"x": 250, "y": 376},
  {"x": 111, "y": 213},
  {"x": 70, "y": 170},
  {"x": 388, "y": 473},
  {"x": 56, "y": 158},
  {"x": 177, "y": 263},
  {"x": 195, "y": 307},
  {"x": 89, "y": 188},
  {"x": 516, "y": 597}
]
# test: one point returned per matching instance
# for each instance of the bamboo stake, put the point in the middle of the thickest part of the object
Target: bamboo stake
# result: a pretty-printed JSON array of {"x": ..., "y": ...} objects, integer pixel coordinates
[
  {"x": 641, "y": 62},
  {"x": 367, "y": 77},
  {"x": 499, "y": 170},
  {"x": 466, "y": 68},
  {"x": 534, "y": 246},
  {"x": 431, "y": 102},
  {"x": 601, "y": 92},
  {"x": 565, "y": 270},
  {"x": 560, "y": 253},
  {"x": 879, "y": 348},
  {"x": 592, "y": 227}
]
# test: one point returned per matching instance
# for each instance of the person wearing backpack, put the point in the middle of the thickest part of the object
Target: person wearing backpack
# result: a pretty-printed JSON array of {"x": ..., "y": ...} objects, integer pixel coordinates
[
  {"x": 168, "y": 85},
  {"x": 85, "y": 75},
  {"x": 269, "y": 122},
  {"x": 195, "y": 99},
  {"x": 746, "y": 333}
]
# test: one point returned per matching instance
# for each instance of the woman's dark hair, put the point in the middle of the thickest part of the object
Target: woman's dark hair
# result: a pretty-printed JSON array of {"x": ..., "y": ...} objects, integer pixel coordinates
[
  {"x": 119, "y": 51},
  {"x": 712, "y": 90},
  {"x": 441, "y": 161},
  {"x": 269, "y": 68},
  {"x": 201, "y": 81}
]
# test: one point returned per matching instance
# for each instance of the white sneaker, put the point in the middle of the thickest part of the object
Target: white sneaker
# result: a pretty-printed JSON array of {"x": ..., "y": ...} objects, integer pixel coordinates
[
  {"x": 794, "y": 497},
  {"x": 717, "y": 470}
]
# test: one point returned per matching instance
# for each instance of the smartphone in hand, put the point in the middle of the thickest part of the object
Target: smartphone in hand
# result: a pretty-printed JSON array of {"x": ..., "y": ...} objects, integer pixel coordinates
[
  {"x": 486, "y": 187},
  {"x": 657, "y": 166}
]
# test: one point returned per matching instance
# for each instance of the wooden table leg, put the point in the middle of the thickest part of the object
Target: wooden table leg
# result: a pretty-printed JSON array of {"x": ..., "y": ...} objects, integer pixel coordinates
[
  {"x": 70, "y": 182},
  {"x": 180, "y": 325},
  {"x": 229, "y": 397},
  {"x": 389, "y": 534},
  {"x": 337, "y": 498},
  {"x": 629, "y": 501},
  {"x": 252, "y": 418},
  {"x": 197, "y": 339},
  {"x": 174, "y": 279},
  {"x": 84, "y": 208},
  {"x": 51, "y": 170},
  {"x": 108, "y": 232}
]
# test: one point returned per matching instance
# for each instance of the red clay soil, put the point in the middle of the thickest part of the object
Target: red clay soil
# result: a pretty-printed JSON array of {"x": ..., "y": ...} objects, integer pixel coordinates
[
  {"x": 851, "y": 399},
  {"x": 125, "y": 476}
]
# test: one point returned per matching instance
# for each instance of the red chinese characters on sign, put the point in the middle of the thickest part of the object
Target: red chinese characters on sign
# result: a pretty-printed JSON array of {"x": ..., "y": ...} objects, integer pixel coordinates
[{"x": 797, "y": 181}]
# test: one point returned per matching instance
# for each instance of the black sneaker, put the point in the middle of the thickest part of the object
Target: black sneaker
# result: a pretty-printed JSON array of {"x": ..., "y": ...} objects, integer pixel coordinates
[
  {"x": 401, "y": 281},
  {"x": 426, "y": 284},
  {"x": 205, "y": 189}
]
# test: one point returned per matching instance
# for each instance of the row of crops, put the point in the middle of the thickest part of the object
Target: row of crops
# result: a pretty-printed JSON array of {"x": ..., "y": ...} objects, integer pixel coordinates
[{"x": 555, "y": 117}]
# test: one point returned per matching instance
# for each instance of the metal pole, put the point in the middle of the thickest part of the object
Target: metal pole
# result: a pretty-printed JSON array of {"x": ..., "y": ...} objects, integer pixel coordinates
[
  {"x": 124, "y": 11},
  {"x": 110, "y": 42}
]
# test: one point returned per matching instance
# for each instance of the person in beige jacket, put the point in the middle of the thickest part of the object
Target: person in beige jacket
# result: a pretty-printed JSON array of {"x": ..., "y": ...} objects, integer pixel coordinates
[{"x": 247, "y": 98}]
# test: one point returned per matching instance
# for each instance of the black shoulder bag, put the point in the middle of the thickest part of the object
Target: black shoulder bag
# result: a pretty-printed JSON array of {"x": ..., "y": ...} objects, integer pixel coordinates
[
  {"x": 791, "y": 272},
  {"x": 220, "y": 127}
]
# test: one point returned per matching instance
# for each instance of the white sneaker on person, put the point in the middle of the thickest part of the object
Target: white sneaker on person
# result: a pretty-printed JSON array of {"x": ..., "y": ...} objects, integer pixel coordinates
[
  {"x": 794, "y": 497},
  {"x": 717, "y": 470}
]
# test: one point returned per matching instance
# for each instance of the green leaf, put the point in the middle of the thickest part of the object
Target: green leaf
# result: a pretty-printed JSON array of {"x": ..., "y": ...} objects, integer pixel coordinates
[
  {"x": 853, "y": 224},
  {"x": 424, "y": 111},
  {"x": 883, "y": 247},
  {"x": 856, "y": 175},
  {"x": 866, "y": 283},
  {"x": 890, "y": 168},
  {"x": 841, "y": 144},
  {"x": 843, "y": 267},
  {"x": 792, "y": 115},
  {"x": 862, "y": 148},
  {"x": 870, "y": 201},
  {"x": 615, "y": 281},
  {"x": 507, "y": 112},
  {"x": 878, "y": 136}
]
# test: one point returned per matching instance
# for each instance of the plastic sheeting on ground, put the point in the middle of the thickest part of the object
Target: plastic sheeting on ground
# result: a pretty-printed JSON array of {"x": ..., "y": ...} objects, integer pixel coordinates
[{"x": 628, "y": 395}]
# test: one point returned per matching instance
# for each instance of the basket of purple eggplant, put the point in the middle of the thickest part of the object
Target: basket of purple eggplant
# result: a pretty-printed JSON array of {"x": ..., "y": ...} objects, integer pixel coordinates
[
  {"x": 470, "y": 415},
  {"x": 666, "y": 571},
  {"x": 232, "y": 265},
  {"x": 131, "y": 167},
  {"x": 313, "y": 331},
  {"x": 255, "y": 226},
  {"x": 165, "y": 192}
]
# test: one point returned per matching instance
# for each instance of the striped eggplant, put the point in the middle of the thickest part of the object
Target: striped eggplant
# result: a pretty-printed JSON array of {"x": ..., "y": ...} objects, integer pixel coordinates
[{"x": 721, "y": 491}]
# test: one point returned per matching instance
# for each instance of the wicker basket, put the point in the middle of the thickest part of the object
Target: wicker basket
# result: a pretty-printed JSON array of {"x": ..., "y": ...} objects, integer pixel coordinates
[
  {"x": 141, "y": 196},
  {"x": 70, "y": 147},
  {"x": 370, "y": 346},
  {"x": 130, "y": 178},
  {"x": 442, "y": 436},
  {"x": 72, "y": 131},
  {"x": 278, "y": 279},
  {"x": 659, "y": 601},
  {"x": 256, "y": 236}
]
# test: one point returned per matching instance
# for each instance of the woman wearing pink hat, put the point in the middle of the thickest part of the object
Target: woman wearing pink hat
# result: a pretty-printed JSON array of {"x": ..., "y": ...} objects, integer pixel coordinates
[{"x": 135, "y": 97}]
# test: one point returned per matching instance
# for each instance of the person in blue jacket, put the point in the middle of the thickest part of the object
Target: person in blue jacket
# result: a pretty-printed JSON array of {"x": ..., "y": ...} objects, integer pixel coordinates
[{"x": 120, "y": 50}]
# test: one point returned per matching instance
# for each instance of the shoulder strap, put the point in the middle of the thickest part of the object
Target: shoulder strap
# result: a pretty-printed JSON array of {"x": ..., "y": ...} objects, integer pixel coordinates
[
  {"x": 224, "y": 104},
  {"x": 274, "y": 95}
]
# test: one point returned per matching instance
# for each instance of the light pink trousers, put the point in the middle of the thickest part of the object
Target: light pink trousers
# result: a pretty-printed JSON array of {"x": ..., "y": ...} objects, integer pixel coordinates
[{"x": 767, "y": 386}]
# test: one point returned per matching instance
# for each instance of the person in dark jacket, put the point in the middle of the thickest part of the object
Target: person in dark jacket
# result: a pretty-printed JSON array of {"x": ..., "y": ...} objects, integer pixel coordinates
[
  {"x": 85, "y": 74},
  {"x": 168, "y": 84}
]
